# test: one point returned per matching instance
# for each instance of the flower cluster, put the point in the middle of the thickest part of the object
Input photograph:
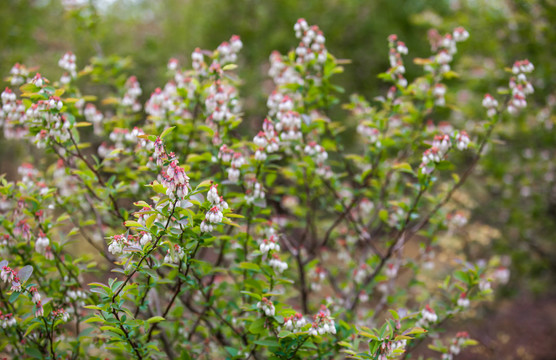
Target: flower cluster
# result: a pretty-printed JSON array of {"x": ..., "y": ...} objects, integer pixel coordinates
[
  {"x": 12, "y": 116},
  {"x": 175, "y": 180},
  {"x": 428, "y": 317},
  {"x": 7, "y": 320},
  {"x": 7, "y": 274},
  {"x": 19, "y": 74},
  {"x": 174, "y": 255},
  {"x": 221, "y": 102},
  {"x": 441, "y": 145},
  {"x": 94, "y": 116},
  {"x": 254, "y": 191},
  {"x": 278, "y": 265},
  {"x": 520, "y": 86},
  {"x": 132, "y": 93},
  {"x": 270, "y": 244},
  {"x": 281, "y": 73},
  {"x": 397, "y": 68},
  {"x": 227, "y": 51},
  {"x": 312, "y": 42},
  {"x": 322, "y": 323},
  {"x": 126, "y": 140},
  {"x": 266, "y": 306},
  {"x": 317, "y": 276},
  {"x": 289, "y": 123},
  {"x": 463, "y": 300},
  {"x": 35, "y": 295},
  {"x": 122, "y": 243},
  {"x": 42, "y": 243},
  {"x": 389, "y": 349},
  {"x": 445, "y": 48},
  {"x": 369, "y": 133},
  {"x": 457, "y": 219},
  {"x": 491, "y": 104},
  {"x": 67, "y": 63},
  {"x": 360, "y": 273},
  {"x": 267, "y": 141},
  {"x": 295, "y": 323},
  {"x": 459, "y": 341},
  {"x": 214, "y": 214},
  {"x": 318, "y": 154},
  {"x": 77, "y": 296},
  {"x": 236, "y": 163},
  {"x": 60, "y": 313}
]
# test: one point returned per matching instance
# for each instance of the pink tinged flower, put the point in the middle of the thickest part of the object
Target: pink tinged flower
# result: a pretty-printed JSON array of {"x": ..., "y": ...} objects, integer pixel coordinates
[
  {"x": 7, "y": 274},
  {"x": 401, "y": 48},
  {"x": 278, "y": 265},
  {"x": 502, "y": 275},
  {"x": 145, "y": 238},
  {"x": 269, "y": 245},
  {"x": 41, "y": 243},
  {"x": 442, "y": 143},
  {"x": 38, "y": 80},
  {"x": 16, "y": 284},
  {"x": 462, "y": 140},
  {"x": 260, "y": 140},
  {"x": 522, "y": 66},
  {"x": 391, "y": 270},
  {"x": 173, "y": 64},
  {"x": 431, "y": 155},
  {"x": 266, "y": 306},
  {"x": 212, "y": 194},
  {"x": 322, "y": 323},
  {"x": 214, "y": 215},
  {"x": 36, "y": 296},
  {"x": 460, "y": 34},
  {"x": 463, "y": 301},
  {"x": 428, "y": 315},
  {"x": 39, "y": 311}
]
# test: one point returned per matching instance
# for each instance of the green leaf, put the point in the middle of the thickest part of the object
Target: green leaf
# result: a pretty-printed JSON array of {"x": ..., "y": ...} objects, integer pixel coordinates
[
  {"x": 284, "y": 333},
  {"x": 461, "y": 276},
  {"x": 403, "y": 337},
  {"x": 257, "y": 326},
  {"x": 94, "y": 319},
  {"x": 14, "y": 296},
  {"x": 249, "y": 266},
  {"x": 166, "y": 132},
  {"x": 131, "y": 223},
  {"x": 155, "y": 319},
  {"x": 267, "y": 343},
  {"x": 29, "y": 88},
  {"x": 415, "y": 330},
  {"x": 345, "y": 344},
  {"x": 405, "y": 167},
  {"x": 231, "y": 351},
  {"x": 253, "y": 295},
  {"x": 366, "y": 334},
  {"x": 150, "y": 220},
  {"x": 113, "y": 329},
  {"x": 32, "y": 327},
  {"x": 229, "y": 67},
  {"x": 383, "y": 215},
  {"x": 34, "y": 353}
]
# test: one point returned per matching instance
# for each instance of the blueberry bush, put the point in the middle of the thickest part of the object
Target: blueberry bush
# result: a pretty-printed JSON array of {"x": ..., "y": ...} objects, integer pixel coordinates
[{"x": 170, "y": 230}]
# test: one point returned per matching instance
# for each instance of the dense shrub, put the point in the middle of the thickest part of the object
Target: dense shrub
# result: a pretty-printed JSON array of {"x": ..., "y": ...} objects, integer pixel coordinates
[{"x": 164, "y": 231}]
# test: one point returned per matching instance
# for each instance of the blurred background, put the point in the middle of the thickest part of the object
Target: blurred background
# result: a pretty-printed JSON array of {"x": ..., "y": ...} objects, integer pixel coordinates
[{"x": 513, "y": 193}]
